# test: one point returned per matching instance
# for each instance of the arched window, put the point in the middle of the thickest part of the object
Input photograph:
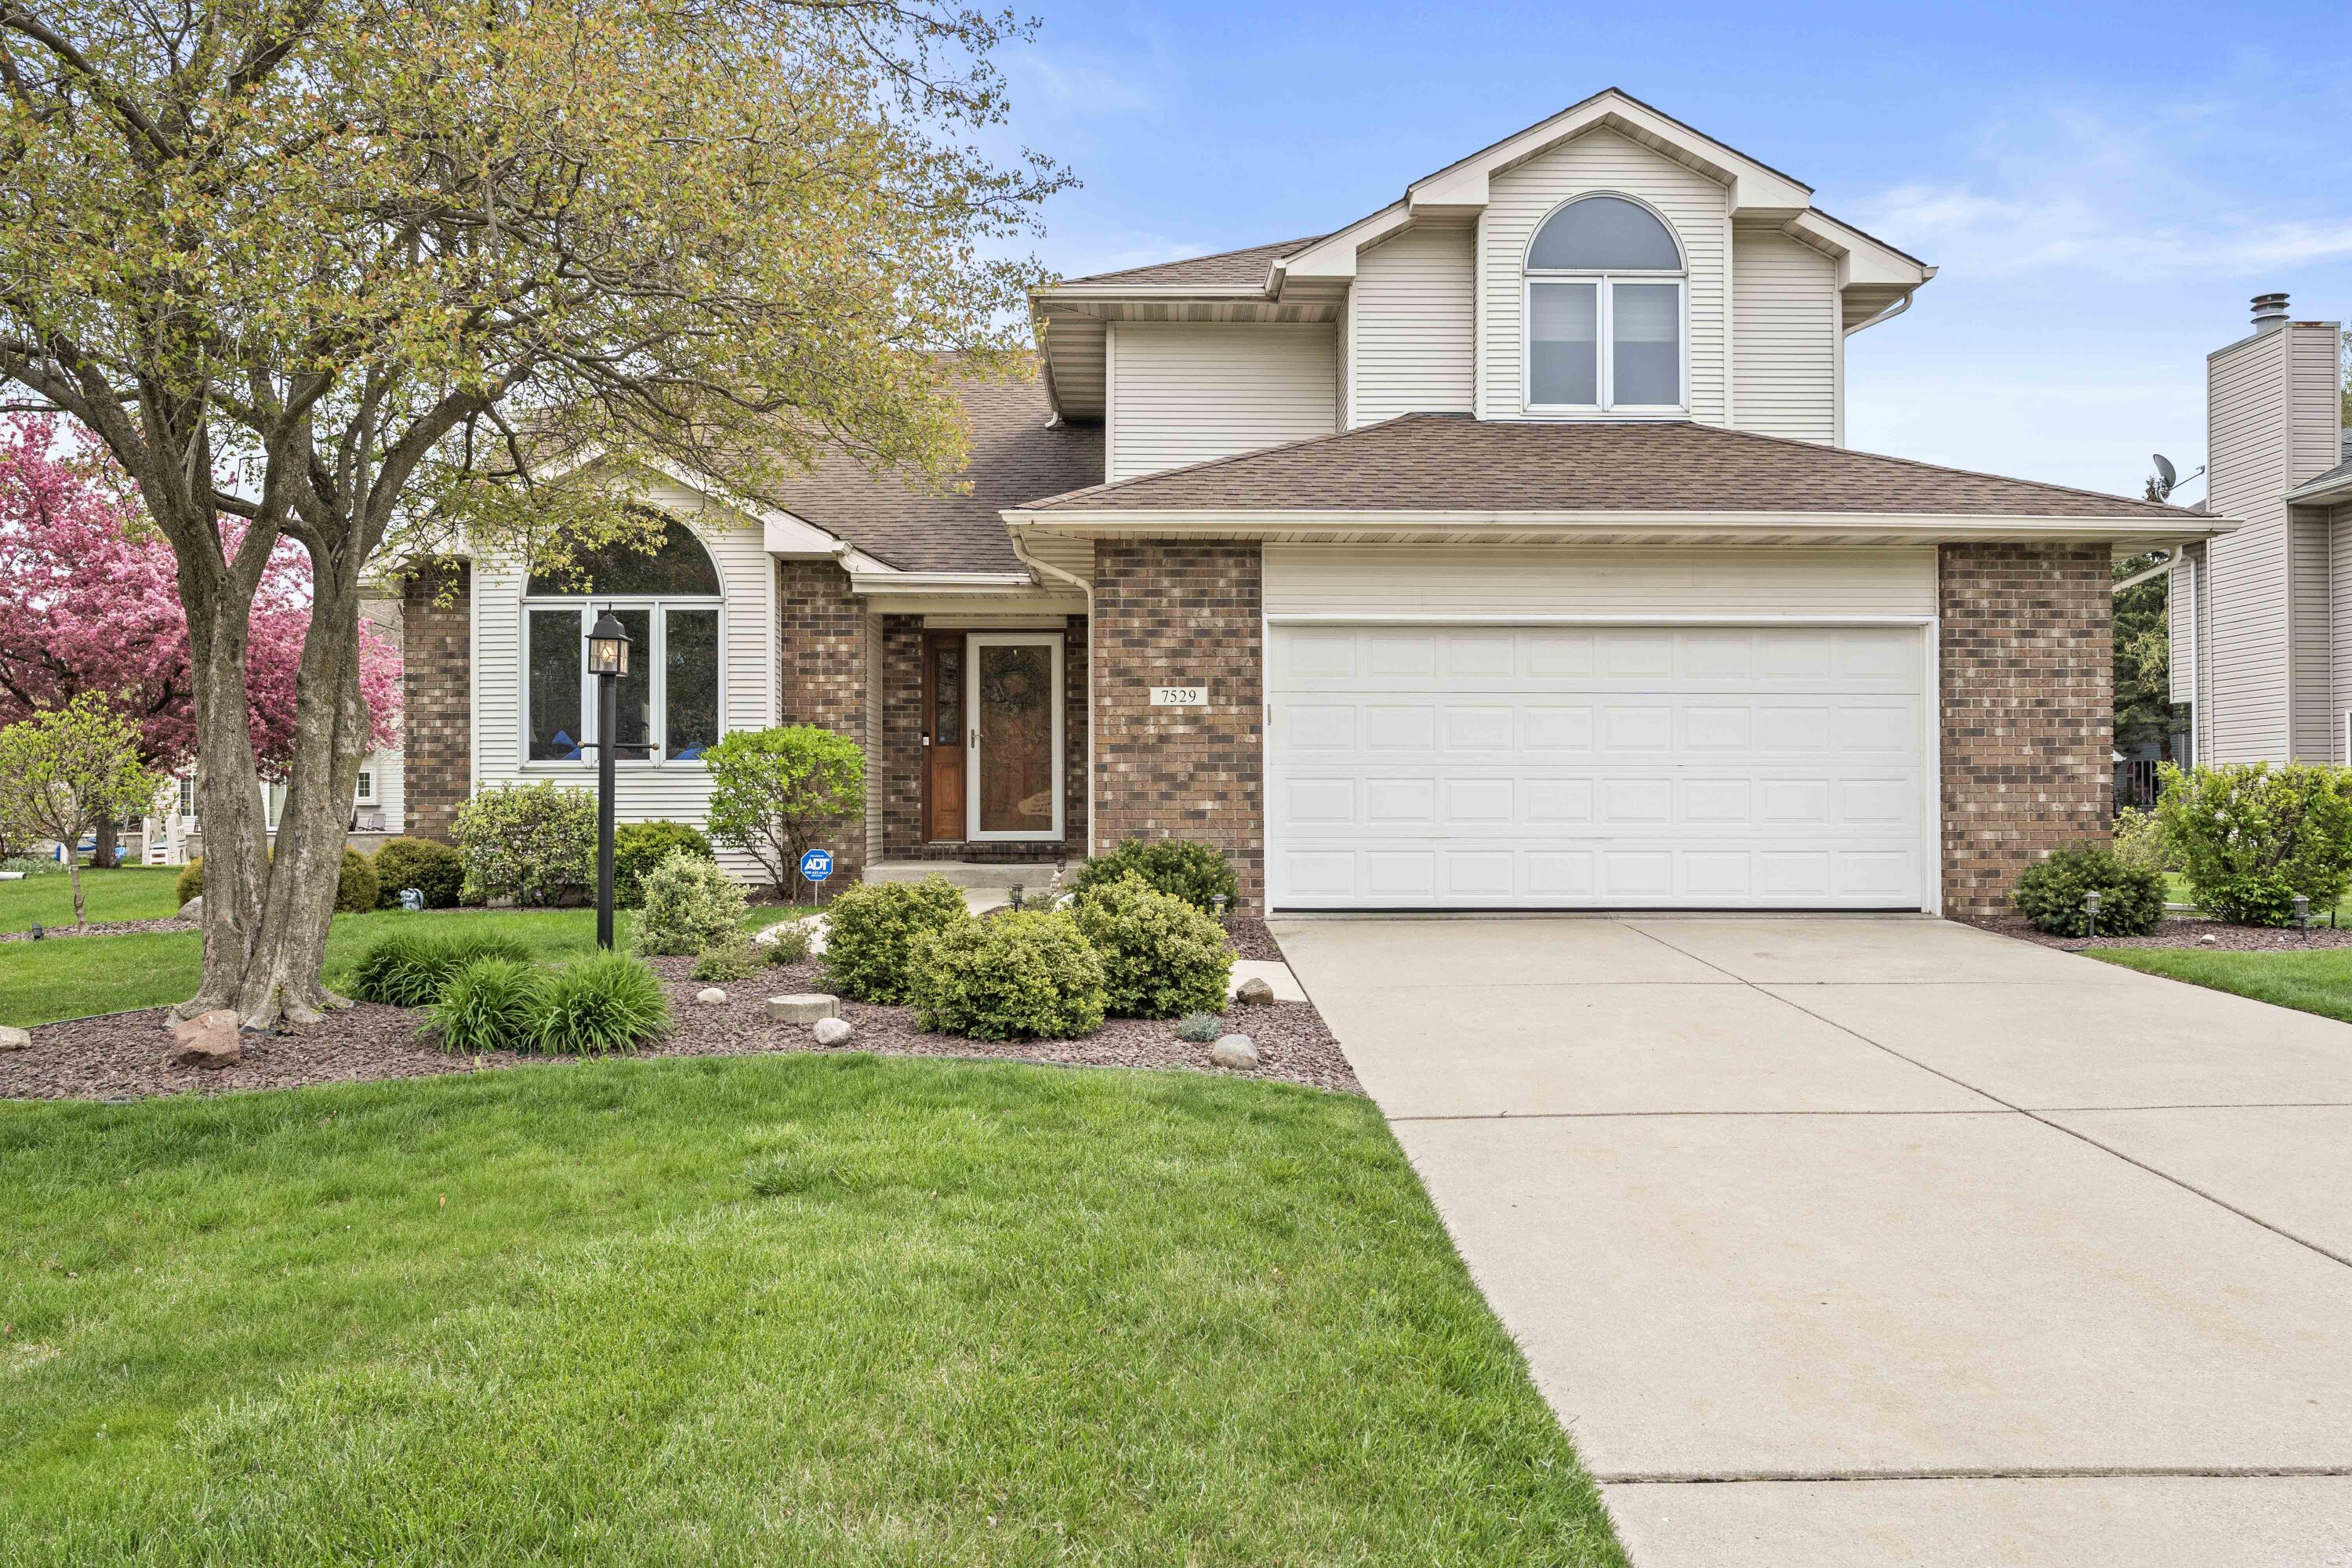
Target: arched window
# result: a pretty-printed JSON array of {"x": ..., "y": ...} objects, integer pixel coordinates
[
  {"x": 667, "y": 602},
  {"x": 1604, "y": 309}
]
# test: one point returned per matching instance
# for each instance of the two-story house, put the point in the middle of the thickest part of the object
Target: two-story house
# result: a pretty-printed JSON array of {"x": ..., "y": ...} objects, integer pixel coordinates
[
  {"x": 2262, "y": 620},
  {"x": 1497, "y": 549}
]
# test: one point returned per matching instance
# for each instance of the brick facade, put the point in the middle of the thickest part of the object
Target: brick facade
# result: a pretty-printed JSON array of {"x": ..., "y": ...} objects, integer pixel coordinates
[
  {"x": 436, "y": 693},
  {"x": 2028, "y": 711},
  {"x": 1165, "y": 612},
  {"x": 821, "y": 644}
]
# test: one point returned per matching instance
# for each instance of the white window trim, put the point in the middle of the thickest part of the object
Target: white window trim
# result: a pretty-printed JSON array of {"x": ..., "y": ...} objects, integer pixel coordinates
[
  {"x": 1604, "y": 346},
  {"x": 365, "y": 793},
  {"x": 657, "y": 623},
  {"x": 973, "y": 643}
]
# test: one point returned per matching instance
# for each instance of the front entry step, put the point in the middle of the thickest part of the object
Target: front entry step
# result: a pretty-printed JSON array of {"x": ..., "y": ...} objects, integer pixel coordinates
[{"x": 1033, "y": 876}]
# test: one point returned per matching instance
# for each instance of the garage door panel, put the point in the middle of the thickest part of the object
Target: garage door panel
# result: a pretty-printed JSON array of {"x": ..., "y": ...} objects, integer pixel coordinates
[{"x": 1770, "y": 766}]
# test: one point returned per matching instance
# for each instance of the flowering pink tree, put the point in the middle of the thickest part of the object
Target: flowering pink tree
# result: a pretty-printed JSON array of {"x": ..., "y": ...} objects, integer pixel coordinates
[{"x": 89, "y": 603}]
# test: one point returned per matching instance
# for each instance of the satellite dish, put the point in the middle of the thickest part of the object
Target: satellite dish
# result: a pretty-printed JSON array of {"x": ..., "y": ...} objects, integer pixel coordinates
[{"x": 2166, "y": 472}]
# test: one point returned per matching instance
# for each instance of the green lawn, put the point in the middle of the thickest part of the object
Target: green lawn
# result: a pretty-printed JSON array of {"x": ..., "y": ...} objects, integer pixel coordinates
[
  {"x": 131, "y": 893},
  {"x": 2176, "y": 891},
  {"x": 794, "y": 1309},
  {"x": 2314, "y": 980},
  {"x": 73, "y": 978}
]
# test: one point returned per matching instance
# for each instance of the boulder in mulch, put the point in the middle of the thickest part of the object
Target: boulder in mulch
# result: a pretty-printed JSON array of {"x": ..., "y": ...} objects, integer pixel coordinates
[
  {"x": 1233, "y": 1051},
  {"x": 16, "y": 1040},
  {"x": 194, "y": 910},
  {"x": 710, "y": 996},
  {"x": 831, "y": 1032},
  {"x": 804, "y": 1007},
  {"x": 208, "y": 1040},
  {"x": 1255, "y": 992}
]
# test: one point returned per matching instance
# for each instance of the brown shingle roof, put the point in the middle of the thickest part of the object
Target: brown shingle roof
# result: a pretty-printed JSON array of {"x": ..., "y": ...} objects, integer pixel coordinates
[
  {"x": 1016, "y": 452},
  {"x": 1226, "y": 268},
  {"x": 1451, "y": 462}
]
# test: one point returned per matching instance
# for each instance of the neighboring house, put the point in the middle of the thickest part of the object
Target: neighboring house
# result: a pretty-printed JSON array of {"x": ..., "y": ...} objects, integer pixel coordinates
[
  {"x": 1495, "y": 550},
  {"x": 171, "y": 835},
  {"x": 2262, "y": 620}
]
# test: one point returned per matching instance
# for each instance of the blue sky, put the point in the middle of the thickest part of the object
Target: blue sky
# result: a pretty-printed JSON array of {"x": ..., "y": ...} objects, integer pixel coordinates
[{"x": 2102, "y": 186}]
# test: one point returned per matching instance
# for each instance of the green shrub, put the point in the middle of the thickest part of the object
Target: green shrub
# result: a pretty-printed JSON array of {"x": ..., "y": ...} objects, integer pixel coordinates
[
  {"x": 599, "y": 1006},
  {"x": 355, "y": 887},
  {"x": 689, "y": 904},
  {"x": 408, "y": 968},
  {"x": 2050, "y": 892},
  {"x": 2251, "y": 836},
  {"x": 726, "y": 962},
  {"x": 639, "y": 847},
  {"x": 486, "y": 1005},
  {"x": 189, "y": 884},
  {"x": 1017, "y": 976},
  {"x": 1200, "y": 1028},
  {"x": 535, "y": 843},
  {"x": 1195, "y": 873},
  {"x": 1161, "y": 958},
  {"x": 871, "y": 932},
  {"x": 2140, "y": 839},
  {"x": 776, "y": 793},
  {"x": 787, "y": 941},
  {"x": 432, "y": 869}
]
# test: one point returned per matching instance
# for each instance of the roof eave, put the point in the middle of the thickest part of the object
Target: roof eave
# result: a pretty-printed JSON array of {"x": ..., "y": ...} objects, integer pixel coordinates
[
  {"x": 2323, "y": 489},
  {"x": 1469, "y": 524}
]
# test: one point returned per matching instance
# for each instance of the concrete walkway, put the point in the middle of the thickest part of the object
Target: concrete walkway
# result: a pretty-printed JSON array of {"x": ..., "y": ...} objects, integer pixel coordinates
[{"x": 1929, "y": 1246}]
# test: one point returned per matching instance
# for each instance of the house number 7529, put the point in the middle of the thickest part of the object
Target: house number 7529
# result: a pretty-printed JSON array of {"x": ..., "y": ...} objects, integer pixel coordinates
[{"x": 1180, "y": 696}]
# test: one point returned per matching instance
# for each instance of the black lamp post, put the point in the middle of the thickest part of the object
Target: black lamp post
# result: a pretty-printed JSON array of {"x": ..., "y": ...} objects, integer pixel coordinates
[{"x": 608, "y": 660}]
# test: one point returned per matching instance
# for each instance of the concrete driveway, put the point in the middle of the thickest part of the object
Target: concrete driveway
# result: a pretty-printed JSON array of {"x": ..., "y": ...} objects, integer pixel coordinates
[{"x": 1930, "y": 1246}]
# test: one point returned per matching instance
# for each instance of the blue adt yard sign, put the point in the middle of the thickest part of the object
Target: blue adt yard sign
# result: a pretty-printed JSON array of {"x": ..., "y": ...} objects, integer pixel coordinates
[{"x": 817, "y": 864}]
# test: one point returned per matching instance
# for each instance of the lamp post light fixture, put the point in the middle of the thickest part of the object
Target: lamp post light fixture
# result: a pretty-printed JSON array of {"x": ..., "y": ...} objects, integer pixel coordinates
[
  {"x": 2302, "y": 911},
  {"x": 2091, "y": 911},
  {"x": 608, "y": 660}
]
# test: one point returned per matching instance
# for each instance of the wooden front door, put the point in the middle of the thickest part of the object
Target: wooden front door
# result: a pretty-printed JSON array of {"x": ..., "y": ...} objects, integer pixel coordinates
[{"x": 944, "y": 741}]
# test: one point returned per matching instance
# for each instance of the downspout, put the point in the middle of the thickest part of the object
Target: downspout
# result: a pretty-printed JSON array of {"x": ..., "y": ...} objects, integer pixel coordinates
[{"x": 1047, "y": 570}]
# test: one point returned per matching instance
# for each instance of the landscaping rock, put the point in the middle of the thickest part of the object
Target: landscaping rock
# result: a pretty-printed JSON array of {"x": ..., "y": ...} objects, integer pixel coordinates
[
  {"x": 710, "y": 996},
  {"x": 208, "y": 1040},
  {"x": 194, "y": 910},
  {"x": 1233, "y": 1051},
  {"x": 1255, "y": 993},
  {"x": 805, "y": 1007},
  {"x": 16, "y": 1040},
  {"x": 833, "y": 1031}
]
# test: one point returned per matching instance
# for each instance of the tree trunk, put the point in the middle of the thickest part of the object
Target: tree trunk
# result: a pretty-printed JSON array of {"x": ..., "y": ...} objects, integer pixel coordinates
[
  {"x": 105, "y": 853},
  {"x": 73, "y": 875},
  {"x": 228, "y": 787}
]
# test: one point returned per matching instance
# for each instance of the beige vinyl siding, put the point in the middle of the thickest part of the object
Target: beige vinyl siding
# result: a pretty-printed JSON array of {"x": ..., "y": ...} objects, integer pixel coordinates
[
  {"x": 2312, "y": 658},
  {"x": 1187, "y": 392},
  {"x": 1343, "y": 340},
  {"x": 2181, "y": 600},
  {"x": 2245, "y": 635},
  {"x": 2339, "y": 571},
  {"x": 1413, "y": 352},
  {"x": 1784, "y": 337},
  {"x": 390, "y": 764},
  {"x": 1521, "y": 199},
  {"x": 1471, "y": 580},
  {"x": 676, "y": 790}
]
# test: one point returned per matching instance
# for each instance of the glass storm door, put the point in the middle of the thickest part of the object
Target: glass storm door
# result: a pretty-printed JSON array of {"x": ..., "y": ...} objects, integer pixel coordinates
[{"x": 1013, "y": 707}]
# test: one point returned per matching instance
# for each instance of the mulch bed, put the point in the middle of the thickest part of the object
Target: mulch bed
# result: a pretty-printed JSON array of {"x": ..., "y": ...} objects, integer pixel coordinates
[
  {"x": 121, "y": 1055},
  {"x": 104, "y": 928},
  {"x": 2179, "y": 932},
  {"x": 1251, "y": 939}
]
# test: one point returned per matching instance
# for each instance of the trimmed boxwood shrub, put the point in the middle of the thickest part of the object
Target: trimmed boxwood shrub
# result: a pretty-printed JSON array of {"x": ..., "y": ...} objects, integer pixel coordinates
[
  {"x": 690, "y": 905},
  {"x": 2050, "y": 892},
  {"x": 356, "y": 888},
  {"x": 486, "y": 1005},
  {"x": 409, "y": 968},
  {"x": 1017, "y": 976},
  {"x": 871, "y": 932},
  {"x": 639, "y": 847},
  {"x": 432, "y": 869},
  {"x": 1161, "y": 958},
  {"x": 598, "y": 1006},
  {"x": 189, "y": 884},
  {"x": 2250, "y": 837},
  {"x": 1195, "y": 873}
]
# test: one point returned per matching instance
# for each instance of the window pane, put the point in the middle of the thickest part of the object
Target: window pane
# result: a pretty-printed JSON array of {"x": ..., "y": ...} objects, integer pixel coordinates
[
  {"x": 634, "y": 696},
  {"x": 948, "y": 696},
  {"x": 1016, "y": 713},
  {"x": 555, "y": 652},
  {"x": 1563, "y": 344},
  {"x": 691, "y": 669},
  {"x": 1645, "y": 333},
  {"x": 1605, "y": 234},
  {"x": 677, "y": 564}
]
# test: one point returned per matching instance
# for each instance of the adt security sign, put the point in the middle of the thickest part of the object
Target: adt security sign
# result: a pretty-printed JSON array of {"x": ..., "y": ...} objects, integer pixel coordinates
[{"x": 817, "y": 864}]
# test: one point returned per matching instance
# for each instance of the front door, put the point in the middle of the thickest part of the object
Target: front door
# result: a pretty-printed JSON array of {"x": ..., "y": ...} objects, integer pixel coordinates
[
  {"x": 1013, "y": 735},
  {"x": 943, "y": 737}
]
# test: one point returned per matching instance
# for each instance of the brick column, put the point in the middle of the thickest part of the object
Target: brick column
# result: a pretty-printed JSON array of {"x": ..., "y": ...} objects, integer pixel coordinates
[
  {"x": 895, "y": 766},
  {"x": 821, "y": 642},
  {"x": 2028, "y": 711},
  {"x": 1167, "y": 612},
  {"x": 437, "y": 695}
]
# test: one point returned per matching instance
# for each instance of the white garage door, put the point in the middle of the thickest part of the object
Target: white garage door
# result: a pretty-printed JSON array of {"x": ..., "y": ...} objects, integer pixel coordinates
[{"x": 1618, "y": 767}]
